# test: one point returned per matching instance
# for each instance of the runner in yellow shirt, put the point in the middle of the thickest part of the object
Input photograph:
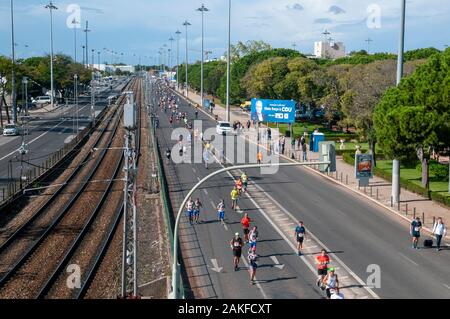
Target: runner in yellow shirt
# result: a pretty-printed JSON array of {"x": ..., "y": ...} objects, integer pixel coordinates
[{"x": 234, "y": 197}]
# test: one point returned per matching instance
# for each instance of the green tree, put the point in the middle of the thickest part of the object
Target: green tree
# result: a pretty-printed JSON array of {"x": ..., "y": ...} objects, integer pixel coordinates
[{"x": 415, "y": 116}]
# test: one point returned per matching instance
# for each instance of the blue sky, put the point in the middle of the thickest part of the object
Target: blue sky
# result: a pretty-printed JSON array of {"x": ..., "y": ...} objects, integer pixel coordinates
[{"x": 142, "y": 27}]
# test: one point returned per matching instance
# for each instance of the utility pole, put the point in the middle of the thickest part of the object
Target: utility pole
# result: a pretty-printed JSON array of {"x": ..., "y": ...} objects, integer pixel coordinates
[
  {"x": 93, "y": 99},
  {"x": 84, "y": 59},
  {"x": 13, "y": 75},
  {"x": 129, "y": 245},
  {"x": 51, "y": 7},
  {"x": 75, "y": 92},
  {"x": 171, "y": 39},
  {"x": 178, "y": 58},
  {"x": 186, "y": 24},
  {"x": 401, "y": 46},
  {"x": 202, "y": 9},
  {"x": 87, "y": 49}
]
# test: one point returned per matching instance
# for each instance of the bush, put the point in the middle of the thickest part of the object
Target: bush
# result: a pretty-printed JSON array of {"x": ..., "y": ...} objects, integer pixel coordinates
[
  {"x": 438, "y": 197},
  {"x": 439, "y": 171}
]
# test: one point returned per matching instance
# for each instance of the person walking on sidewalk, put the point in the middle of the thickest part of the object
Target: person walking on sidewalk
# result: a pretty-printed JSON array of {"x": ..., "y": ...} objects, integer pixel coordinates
[
  {"x": 236, "y": 245},
  {"x": 293, "y": 147},
  {"x": 248, "y": 125},
  {"x": 304, "y": 152},
  {"x": 300, "y": 235},
  {"x": 282, "y": 144},
  {"x": 245, "y": 222},
  {"x": 439, "y": 231},
  {"x": 416, "y": 226}
]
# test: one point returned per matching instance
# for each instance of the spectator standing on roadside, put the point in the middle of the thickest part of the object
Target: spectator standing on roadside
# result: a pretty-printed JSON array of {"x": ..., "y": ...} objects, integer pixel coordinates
[
  {"x": 304, "y": 152},
  {"x": 416, "y": 226},
  {"x": 439, "y": 231}
]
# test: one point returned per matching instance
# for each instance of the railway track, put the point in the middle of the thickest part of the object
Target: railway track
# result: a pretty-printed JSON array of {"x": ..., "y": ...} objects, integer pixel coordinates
[{"x": 74, "y": 227}]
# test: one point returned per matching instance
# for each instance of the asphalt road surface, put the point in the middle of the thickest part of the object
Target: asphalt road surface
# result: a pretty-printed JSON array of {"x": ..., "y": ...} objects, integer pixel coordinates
[{"x": 361, "y": 236}]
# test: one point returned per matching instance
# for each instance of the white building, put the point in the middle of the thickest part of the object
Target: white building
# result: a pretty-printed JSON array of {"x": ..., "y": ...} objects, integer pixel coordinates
[
  {"x": 114, "y": 68},
  {"x": 329, "y": 50}
]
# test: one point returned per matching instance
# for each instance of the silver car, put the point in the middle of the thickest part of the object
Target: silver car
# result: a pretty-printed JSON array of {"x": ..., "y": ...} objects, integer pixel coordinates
[{"x": 10, "y": 130}]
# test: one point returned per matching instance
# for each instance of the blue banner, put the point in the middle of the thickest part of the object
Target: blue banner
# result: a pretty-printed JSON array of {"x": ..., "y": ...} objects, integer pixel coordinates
[{"x": 274, "y": 111}]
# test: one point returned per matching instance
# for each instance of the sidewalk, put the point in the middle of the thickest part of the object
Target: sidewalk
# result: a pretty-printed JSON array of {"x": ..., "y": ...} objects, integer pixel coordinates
[{"x": 379, "y": 189}]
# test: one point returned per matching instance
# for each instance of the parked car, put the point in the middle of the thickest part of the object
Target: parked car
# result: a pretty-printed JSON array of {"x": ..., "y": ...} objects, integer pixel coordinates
[
  {"x": 223, "y": 128},
  {"x": 10, "y": 130},
  {"x": 41, "y": 100}
]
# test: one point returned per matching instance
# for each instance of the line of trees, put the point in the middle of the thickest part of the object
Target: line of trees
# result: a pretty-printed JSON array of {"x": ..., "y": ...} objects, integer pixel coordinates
[
  {"x": 37, "y": 70},
  {"x": 358, "y": 90}
]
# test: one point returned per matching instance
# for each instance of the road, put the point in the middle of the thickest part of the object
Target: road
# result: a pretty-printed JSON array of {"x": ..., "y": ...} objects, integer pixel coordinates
[
  {"x": 358, "y": 233},
  {"x": 48, "y": 132}
]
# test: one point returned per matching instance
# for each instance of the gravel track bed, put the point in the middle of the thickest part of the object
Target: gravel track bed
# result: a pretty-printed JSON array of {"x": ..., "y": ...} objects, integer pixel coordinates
[{"x": 28, "y": 280}]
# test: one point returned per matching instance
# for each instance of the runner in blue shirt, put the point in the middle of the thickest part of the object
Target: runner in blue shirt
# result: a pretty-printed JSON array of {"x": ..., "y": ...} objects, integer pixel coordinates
[{"x": 300, "y": 234}]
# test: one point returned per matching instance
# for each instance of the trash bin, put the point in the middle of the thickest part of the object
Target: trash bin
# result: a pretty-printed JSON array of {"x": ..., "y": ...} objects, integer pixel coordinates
[{"x": 317, "y": 137}]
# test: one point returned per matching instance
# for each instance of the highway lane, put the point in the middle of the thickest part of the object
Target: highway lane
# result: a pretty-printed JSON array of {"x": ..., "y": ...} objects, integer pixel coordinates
[
  {"x": 48, "y": 132},
  {"x": 208, "y": 241},
  {"x": 363, "y": 234}
]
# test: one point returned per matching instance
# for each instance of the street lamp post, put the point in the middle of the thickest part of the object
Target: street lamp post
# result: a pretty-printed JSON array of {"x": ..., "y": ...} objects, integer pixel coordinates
[
  {"x": 84, "y": 59},
  {"x": 171, "y": 39},
  {"x": 202, "y": 9},
  {"x": 75, "y": 26},
  {"x": 228, "y": 63},
  {"x": 13, "y": 75},
  {"x": 396, "y": 163},
  {"x": 93, "y": 58},
  {"x": 178, "y": 58},
  {"x": 75, "y": 93},
  {"x": 87, "y": 50},
  {"x": 51, "y": 7},
  {"x": 98, "y": 60},
  {"x": 25, "y": 84},
  {"x": 186, "y": 24}
]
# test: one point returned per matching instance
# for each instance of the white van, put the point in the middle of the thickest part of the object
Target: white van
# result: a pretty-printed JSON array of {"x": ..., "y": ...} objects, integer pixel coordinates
[{"x": 41, "y": 100}]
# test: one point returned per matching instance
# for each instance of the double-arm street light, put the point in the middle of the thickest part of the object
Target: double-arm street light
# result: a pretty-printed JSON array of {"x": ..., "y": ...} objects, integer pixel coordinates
[
  {"x": 171, "y": 39},
  {"x": 51, "y": 7},
  {"x": 202, "y": 9},
  {"x": 186, "y": 24}
]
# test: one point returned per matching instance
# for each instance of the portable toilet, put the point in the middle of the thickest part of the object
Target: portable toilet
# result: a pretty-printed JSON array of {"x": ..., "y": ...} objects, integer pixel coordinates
[{"x": 317, "y": 138}]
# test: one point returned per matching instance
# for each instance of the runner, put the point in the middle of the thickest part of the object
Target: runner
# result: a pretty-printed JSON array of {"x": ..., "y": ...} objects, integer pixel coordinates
[
  {"x": 416, "y": 226},
  {"x": 168, "y": 154},
  {"x": 239, "y": 186},
  {"x": 197, "y": 206},
  {"x": 253, "y": 237},
  {"x": 234, "y": 197},
  {"x": 322, "y": 262},
  {"x": 244, "y": 179},
  {"x": 259, "y": 157},
  {"x": 300, "y": 233},
  {"x": 252, "y": 257},
  {"x": 190, "y": 210},
  {"x": 245, "y": 221},
  {"x": 331, "y": 283},
  {"x": 221, "y": 211},
  {"x": 236, "y": 245}
]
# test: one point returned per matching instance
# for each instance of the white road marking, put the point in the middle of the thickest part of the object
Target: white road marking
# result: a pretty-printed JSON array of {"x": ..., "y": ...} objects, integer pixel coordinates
[
  {"x": 277, "y": 263},
  {"x": 408, "y": 259},
  {"x": 355, "y": 276},
  {"x": 310, "y": 247},
  {"x": 446, "y": 286},
  {"x": 69, "y": 139},
  {"x": 216, "y": 267},
  {"x": 280, "y": 219},
  {"x": 206, "y": 192},
  {"x": 225, "y": 226}
]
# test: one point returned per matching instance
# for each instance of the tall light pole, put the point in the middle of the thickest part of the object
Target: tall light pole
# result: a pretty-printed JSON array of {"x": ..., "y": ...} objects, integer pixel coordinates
[
  {"x": 75, "y": 93},
  {"x": 401, "y": 47},
  {"x": 84, "y": 59},
  {"x": 369, "y": 40},
  {"x": 87, "y": 49},
  {"x": 75, "y": 26},
  {"x": 178, "y": 58},
  {"x": 98, "y": 60},
  {"x": 171, "y": 39},
  {"x": 13, "y": 75},
  {"x": 186, "y": 24},
  {"x": 51, "y": 7},
  {"x": 228, "y": 63},
  {"x": 93, "y": 59},
  {"x": 202, "y": 9}
]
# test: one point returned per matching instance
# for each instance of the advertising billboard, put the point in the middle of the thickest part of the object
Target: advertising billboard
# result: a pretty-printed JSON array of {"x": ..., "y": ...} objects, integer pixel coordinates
[
  {"x": 363, "y": 165},
  {"x": 274, "y": 111}
]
